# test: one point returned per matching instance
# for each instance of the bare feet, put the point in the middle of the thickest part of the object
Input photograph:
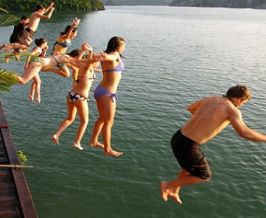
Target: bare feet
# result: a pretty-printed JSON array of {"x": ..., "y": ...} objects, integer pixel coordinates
[
  {"x": 78, "y": 146},
  {"x": 97, "y": 145},
  {"x": 55, "y": 139},
  {"x": 164, "y": 191},
  {"x": 176, "y": 198},
  {"x": 7, "y": 59},
  {"x": 113, "y": 153},
  {"x": 38, "y": 99},
  {"x": 31, "y": 98}
]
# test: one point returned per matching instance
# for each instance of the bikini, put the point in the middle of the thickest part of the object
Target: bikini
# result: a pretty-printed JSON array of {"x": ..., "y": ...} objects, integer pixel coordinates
[
  {"x": 65, "y": 44},
  {"x": 101, "y": 91},
  {"x": 38, "y": 58},
  {"x": 58, "y": 64},
  {"x": 72, "y": 96}
]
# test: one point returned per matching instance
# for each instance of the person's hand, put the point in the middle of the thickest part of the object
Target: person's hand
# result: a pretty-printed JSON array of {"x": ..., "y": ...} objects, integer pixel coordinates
[
  {"x": 86, "y": 47},
  {"x": 52, "y": 4},
  {"x": 76, "y": 22},
  {"x": 46, "y": 47}
]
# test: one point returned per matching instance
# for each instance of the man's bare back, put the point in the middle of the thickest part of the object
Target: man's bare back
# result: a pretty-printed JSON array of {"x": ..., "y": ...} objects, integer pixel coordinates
[{"x": 210, "y": 117}]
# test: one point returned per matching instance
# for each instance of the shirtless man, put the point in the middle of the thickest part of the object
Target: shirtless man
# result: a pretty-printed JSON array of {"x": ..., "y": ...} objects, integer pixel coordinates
[
  {"x": 14, "y": 39},
  {"x": 209, "y": 117},
  {"x": 33, "y": 24}
]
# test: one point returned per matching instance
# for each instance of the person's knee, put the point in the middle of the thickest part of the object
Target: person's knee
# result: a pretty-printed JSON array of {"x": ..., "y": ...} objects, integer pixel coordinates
[
  {"x": 38, "y": 81},
  {"x": 109, "y": 123},
  {"x": 22, "y": 81},
  {"x": 70, "y": 120},
  {"x": 84, "y": 121}
]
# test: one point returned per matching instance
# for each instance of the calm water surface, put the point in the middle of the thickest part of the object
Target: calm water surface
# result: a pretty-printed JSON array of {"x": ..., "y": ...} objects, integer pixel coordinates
[{"x": 173, "y": 57}]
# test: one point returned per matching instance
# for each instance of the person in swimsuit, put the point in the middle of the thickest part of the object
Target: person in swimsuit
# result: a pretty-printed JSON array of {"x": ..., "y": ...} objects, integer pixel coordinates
[
  {"x": 33, "y": 24},
  {"x": 14, "y": 39},
  {"x": 63, "y": 42},
  {"x": 77, "y": 99},
  {"x": 105, "y": 95},
  {"x": 37, "y": 52},
  {"x": 53, "y": 63},
  {"x": 209, "y": 117}
]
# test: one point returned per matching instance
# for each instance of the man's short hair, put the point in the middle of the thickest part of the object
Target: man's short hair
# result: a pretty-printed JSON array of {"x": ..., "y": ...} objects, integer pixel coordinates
[
  {"x": 24, "y": 17},
  {"x": 39, "y": 7},
  {"x": 239, "y": 91}
]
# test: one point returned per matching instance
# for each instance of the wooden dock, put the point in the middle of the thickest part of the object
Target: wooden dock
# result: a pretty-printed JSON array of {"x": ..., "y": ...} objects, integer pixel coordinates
[{"x": 15, "y": 196}]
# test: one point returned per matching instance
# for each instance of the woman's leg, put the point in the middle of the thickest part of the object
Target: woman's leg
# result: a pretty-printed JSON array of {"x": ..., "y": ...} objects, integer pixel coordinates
[
  {"x": 72, "y": 110},
  {"x": 31, "y": 71},
  {"x": 32, "y": 91},
  {"x": 83, "y": 111},
  {"x": 62, "y": 71},
  {"x": 38, "y": 89},
  {"x": 97, "y": 128},
  {"x": 107, "y": 113},
  {"x": 35, "y": 91}
]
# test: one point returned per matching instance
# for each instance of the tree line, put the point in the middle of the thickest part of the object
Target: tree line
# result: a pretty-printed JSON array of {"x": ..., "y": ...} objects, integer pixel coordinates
[
  {"x": 221, "y": 3},
  {"x": 61, "y": 5}
]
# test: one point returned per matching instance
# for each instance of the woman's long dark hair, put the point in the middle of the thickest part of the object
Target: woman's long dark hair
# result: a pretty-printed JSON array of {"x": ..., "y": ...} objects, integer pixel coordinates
[
  {"x": 74, "y": 53},
  {"x": 114, "y": 44},
  {"x": 67, "y": 29},
  {"x": 40, "y": 41}
]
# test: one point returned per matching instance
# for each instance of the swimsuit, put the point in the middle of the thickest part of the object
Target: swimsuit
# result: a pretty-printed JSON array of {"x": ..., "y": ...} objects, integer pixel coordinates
[
  {"x": 72, "y": 96},
  {"x": 101, "y": 91},
  {"x": 118, "y": 69},
  {"x": 65, "y": 44},
  {"x": 58, "y": 64},
  {"x": 190, "y": 156},
  {"x": 35, "y": 58},
  {"x": 26, "y": 37}
]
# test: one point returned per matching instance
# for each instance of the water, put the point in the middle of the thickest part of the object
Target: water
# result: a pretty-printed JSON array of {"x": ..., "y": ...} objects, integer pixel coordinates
[{"x": 174, "y": 56}]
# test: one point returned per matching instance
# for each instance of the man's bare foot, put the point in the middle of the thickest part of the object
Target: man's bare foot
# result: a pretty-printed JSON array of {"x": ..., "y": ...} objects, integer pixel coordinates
[
  {"x": 96, "y": 145},
  {"x": 55, "y": 139},
  {"x": 164, "y": 191},
  {"x": 175, "y": 196},
  {"x": 113, "y": 153},
  {"x": 78, "y": 146}
]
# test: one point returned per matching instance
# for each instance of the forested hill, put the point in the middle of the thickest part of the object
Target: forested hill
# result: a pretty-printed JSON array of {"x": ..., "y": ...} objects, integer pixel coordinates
[
  {"x": 137, "y": 2},
  {"x": 61, "y": 5},
  {"x": 221, "y": 3}
]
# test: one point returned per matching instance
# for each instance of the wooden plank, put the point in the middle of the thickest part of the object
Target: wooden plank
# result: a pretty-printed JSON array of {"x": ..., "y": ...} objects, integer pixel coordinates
[
  {"x": 24, "y": 196},
  {"x": 11, "y": 213},
  {"x": 3, "y": 121}
]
